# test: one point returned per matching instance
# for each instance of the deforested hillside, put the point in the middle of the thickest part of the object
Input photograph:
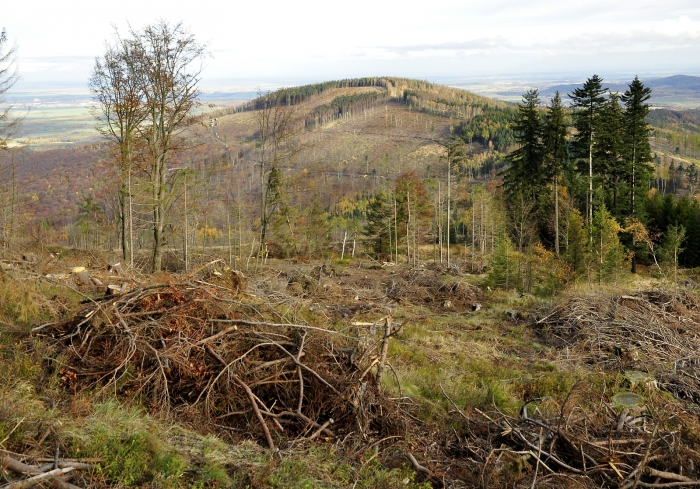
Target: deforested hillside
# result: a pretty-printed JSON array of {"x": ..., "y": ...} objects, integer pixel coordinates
[{"x": 344, "y": 141}]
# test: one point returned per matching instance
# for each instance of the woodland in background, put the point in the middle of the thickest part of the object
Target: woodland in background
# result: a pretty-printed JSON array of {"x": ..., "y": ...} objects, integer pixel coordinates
[
  {"x": 387, "y": 167},
  {"x": 375, "y": 282}
]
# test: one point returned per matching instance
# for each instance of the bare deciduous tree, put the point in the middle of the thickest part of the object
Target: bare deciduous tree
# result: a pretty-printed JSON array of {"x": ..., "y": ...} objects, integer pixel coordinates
[
  {"x": 147, "y": 88},
  {"x": 120, "y": 112}
]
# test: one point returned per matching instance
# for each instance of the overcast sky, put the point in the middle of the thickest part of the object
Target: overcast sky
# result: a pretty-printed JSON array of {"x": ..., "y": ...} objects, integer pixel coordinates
[{"x": 252, "y": 44}]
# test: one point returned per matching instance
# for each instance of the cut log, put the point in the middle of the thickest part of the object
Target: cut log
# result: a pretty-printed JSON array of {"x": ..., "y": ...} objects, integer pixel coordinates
[
  {"x": 96, "y": 281},
  {"x": 33, "y": 481},
  {"x": 115, "y": 268},
  {"x": 81, "y": 276}
]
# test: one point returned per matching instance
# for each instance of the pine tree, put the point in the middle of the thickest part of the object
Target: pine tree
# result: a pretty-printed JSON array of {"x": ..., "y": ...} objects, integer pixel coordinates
[
  {"x": 589, "y": 101},
  {"x": 555, "y": 153},
  {"x": 637, "y": 129}
]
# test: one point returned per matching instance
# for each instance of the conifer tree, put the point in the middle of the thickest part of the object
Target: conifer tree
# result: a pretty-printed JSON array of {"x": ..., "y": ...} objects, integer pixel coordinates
[
  {"x": 606, "y": 247},
  {"x": 588, "y": 102},
  {"x": 525, "y": 175},
  {"x": 503, "y": 266},
  {"x": 555, "y": 153},
  {"x": 637, "y": 138},
  {"x": 8, "y": 77},
  {"x": 576, "y": 242},
  {"x": 610, "y": 151},
  {"x": 379, "y": 223}
]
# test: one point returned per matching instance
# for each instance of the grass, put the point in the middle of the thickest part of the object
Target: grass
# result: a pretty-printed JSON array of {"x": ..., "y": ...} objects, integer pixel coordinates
[
  {"x": 481, "y": 359},
  {"x": 489, "y": 360},
  {"x": 24, "y": 303}
]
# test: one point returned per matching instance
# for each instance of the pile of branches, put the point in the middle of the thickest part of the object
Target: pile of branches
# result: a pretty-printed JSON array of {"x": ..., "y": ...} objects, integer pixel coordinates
[
  {"x": 192, "y": 349},
  {"x": 605, "y": 449},
  {"x": 56, "y": 472},
  {"x": 429, "y": 288},
  {"x": 656, "y": 332}
]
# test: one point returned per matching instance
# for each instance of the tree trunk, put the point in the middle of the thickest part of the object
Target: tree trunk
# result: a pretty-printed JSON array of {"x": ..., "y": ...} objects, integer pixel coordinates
[
  {"x": 556, "y": 214},
  {"x": 158, "y": 215},
  {"x": 124, "y": 223},
  {"x": 589, "y": 204}
]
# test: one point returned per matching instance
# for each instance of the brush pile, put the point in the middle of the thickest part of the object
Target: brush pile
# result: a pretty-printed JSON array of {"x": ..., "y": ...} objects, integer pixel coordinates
[
  {"x": 577, "y": 447},
  {"x": 653, "y": 332},
  {"x": 199, "y": 350}
]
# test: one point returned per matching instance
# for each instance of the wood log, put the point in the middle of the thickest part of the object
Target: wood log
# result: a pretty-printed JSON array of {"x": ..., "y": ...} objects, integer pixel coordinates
[
  {"x": 81, "y": 276},
  {"x": 96, "y": 281},
  {"x": 21, "y": 468},
  {"x": 115, "y": 268},
  {"x": 33, "y": 481}
]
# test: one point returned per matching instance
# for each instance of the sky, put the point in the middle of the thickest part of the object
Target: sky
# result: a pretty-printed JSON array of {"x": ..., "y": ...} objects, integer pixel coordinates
[{"x": 266, "y": 44}]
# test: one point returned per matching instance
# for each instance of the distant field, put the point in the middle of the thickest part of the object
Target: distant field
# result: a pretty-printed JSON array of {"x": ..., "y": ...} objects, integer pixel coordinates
[
  {"x": 46, "y": 127},
  {"x": 52, "y": 124}
]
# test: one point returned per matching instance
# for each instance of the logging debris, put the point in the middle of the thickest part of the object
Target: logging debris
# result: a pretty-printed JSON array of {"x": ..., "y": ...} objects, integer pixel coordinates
[
  {"x": 653, "y": 332},
  {"x": 192, "y": 349},
  {"x": 56, "y": 474}
]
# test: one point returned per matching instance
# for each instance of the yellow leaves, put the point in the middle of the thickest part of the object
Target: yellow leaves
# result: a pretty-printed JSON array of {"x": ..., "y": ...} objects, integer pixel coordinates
[{"x": 208, "y": 232}]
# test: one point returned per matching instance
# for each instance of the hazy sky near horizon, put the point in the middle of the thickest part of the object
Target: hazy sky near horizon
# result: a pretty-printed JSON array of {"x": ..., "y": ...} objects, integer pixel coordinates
[{"x": 252, "y": 43}]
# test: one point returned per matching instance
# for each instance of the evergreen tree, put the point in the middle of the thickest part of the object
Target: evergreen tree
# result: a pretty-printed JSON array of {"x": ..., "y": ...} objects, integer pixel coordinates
[
  {"x": 610, "y": 152},
  {"x": 503, "y": 266},
  {"x": 379, "y": 225},
  {"x": 588, "y": 102},
  {"x": 525, "y": 175},
  {"x": 555, "y": 153},
  {"x": 637, "y": 137}
]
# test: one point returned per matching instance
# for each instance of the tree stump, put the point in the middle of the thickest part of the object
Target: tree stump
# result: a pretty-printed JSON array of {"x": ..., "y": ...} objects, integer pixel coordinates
[
  {"x": 117, "y": 289},
  {"x": 81, "y": 276},
  {"x": 115, "y": 268}
]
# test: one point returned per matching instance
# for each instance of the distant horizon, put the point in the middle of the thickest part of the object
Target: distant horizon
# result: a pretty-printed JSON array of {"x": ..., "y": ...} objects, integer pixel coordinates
[{"x": 245, "y": 85}]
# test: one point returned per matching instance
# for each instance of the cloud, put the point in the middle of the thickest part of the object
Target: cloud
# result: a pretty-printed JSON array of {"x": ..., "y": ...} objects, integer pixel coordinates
[
  {"x": 37, "y": 64},
  {"x": 680, "y": 33}
]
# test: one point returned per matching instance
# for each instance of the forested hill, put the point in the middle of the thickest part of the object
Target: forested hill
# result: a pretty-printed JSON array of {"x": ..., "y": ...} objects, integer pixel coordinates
[
  {"x": 676, "y": 119},
  {"x": 351, "y": 138}
]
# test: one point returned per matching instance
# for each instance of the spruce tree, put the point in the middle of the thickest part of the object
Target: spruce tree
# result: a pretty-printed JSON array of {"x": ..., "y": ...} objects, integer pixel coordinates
[
  {"x": 379, "y": 227},
  {"x": 525, "y": 175},
  {"x": 588, "y": 103},
  {"x": 637, "y": 136},
  {"x": 576, "y": 243},
  {"x": 606, "y": 246},
  {"x": 610, "y": 152},
  {"x": 555, "y": 153}
]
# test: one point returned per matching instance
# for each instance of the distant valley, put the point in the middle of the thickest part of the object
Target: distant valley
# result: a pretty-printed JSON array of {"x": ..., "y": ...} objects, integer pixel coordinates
[{"x": 677, "y": 91}]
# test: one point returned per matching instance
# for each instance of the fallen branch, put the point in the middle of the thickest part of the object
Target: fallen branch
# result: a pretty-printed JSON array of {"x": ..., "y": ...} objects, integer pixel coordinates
[
  {"x": 251, "y": 396},
  {"x": 34, "y": 480},
  {"x": 416, "y": 465}
]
